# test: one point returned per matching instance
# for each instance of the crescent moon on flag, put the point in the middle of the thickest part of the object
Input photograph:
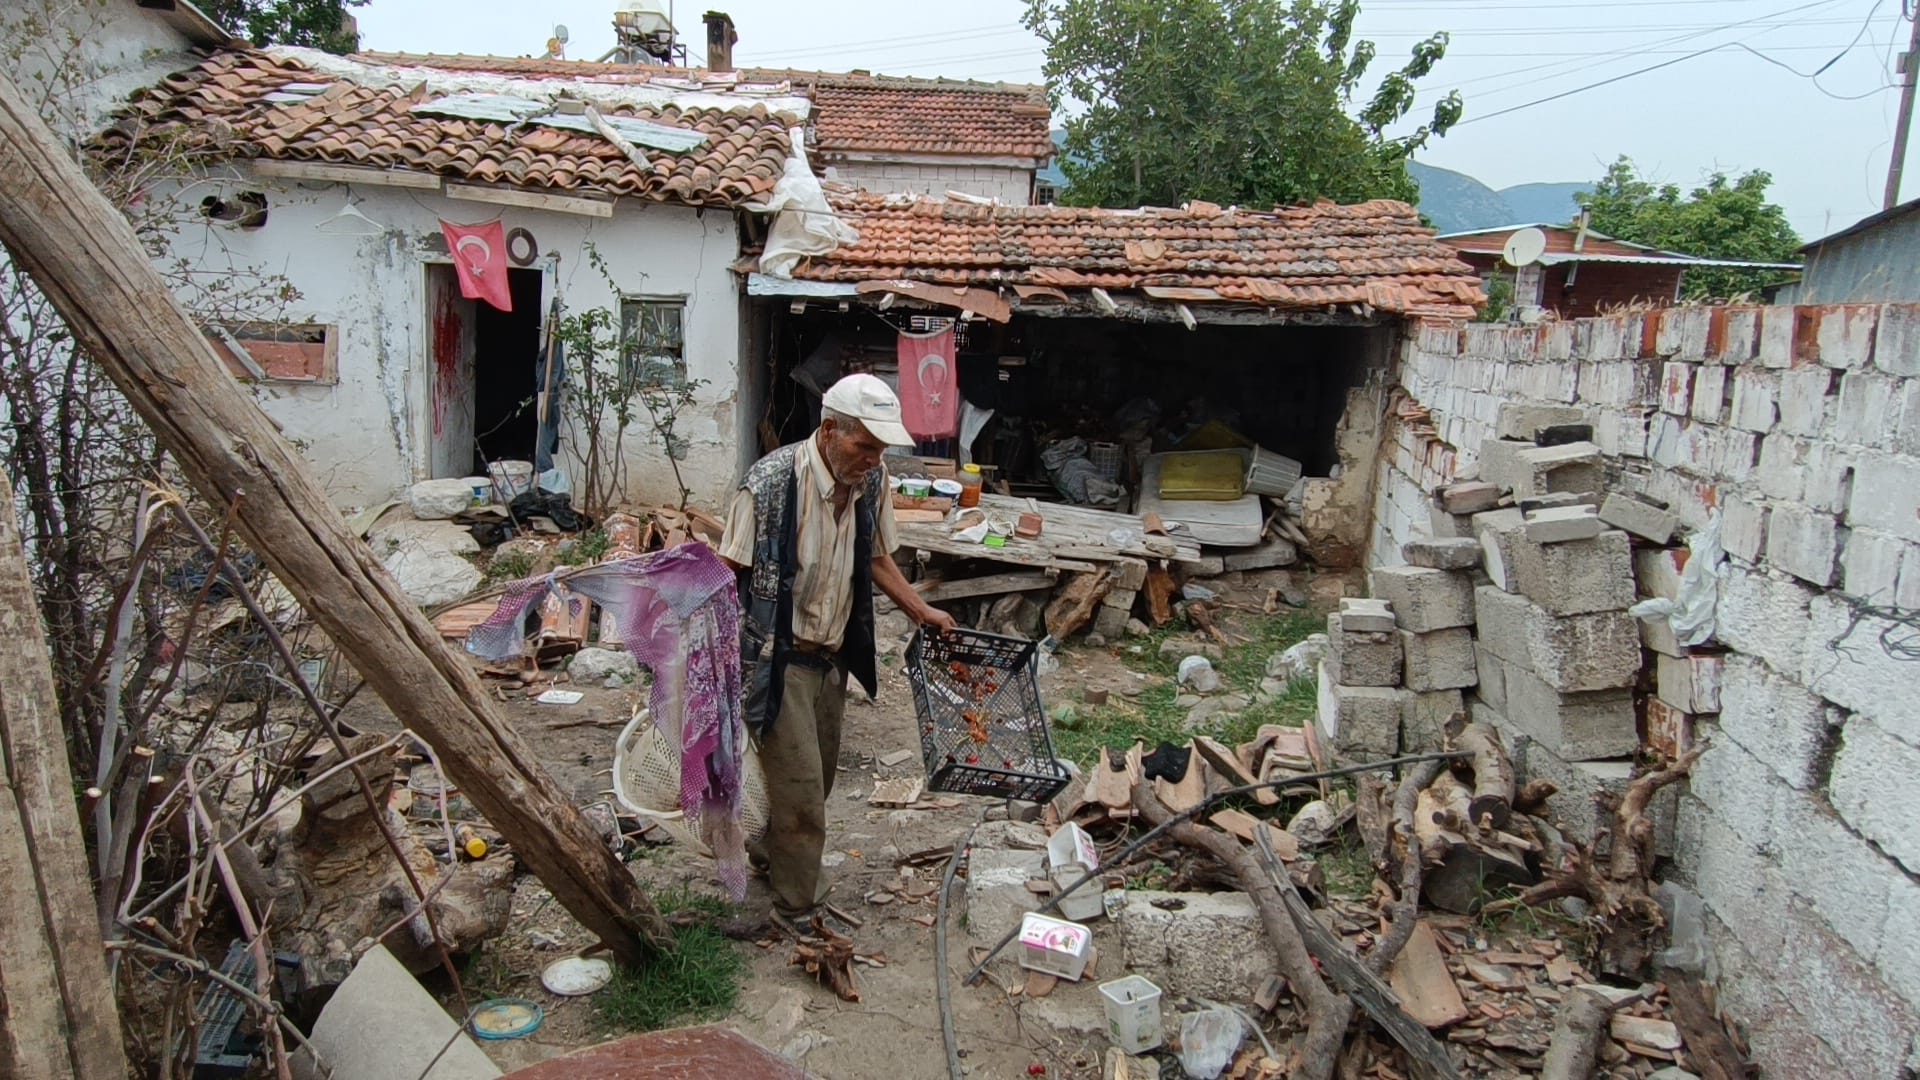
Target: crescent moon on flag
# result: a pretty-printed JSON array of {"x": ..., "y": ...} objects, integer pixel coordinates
[
  {"x": 931, "y": 360},
  {"x": 486, "y": 252}
]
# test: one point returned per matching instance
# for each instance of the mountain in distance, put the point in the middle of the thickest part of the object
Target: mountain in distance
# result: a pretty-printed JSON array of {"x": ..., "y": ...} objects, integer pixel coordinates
[{"x": 1456, "y": 202}]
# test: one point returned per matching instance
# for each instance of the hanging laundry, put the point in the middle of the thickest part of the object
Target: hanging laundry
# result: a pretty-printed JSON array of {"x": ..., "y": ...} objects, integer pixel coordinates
[
  {"x": 929, "y": 385},
  {"x": 480, "y": 257},
  {"x": 679, "y": 615}
]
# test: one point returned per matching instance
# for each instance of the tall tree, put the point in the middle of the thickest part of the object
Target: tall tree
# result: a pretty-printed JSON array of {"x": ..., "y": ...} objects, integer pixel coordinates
[
  {"x": 1247, "y": 102},
  {"x": 319, "y": 24},
  {"x": 1723, "y": 218}
]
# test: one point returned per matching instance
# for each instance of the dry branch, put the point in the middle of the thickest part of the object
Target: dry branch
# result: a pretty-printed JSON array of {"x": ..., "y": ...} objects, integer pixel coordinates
[
  {"x": 1578, "y": 1031},
  {"x": 1492, "y": 775}
]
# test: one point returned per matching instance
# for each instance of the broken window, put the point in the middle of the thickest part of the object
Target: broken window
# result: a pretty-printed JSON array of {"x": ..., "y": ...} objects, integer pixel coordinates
[
  {"x": 653, "y": 341},
  {"x": 278, "y": 352}
]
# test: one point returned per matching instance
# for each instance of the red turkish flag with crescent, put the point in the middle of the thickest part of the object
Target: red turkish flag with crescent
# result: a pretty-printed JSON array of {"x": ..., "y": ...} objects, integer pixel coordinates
[
  {"x": 929, "y": 385},
  {"x": 480, "y": 255}
]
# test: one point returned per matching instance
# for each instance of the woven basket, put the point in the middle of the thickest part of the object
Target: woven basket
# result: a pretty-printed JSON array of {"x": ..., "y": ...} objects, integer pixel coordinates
[{"x": 646, "y": 780}]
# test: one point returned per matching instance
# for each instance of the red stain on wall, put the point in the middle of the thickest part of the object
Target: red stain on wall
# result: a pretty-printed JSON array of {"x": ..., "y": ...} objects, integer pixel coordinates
[{"x": 446, "y": 355}]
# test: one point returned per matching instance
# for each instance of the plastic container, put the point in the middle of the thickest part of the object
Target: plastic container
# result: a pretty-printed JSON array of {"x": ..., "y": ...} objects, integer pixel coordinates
[
  {"x": 971, "y": 481},
  {"x": 510, "y": 479},
  {"x": 1108, "y": 458},
  {"x": 1271, "y": 474},
  {"x": 983, "y": 730},
  {"x": 916, "y": 488},
  {"x": 1055, "y": 946},
  {"x": 1133, "y": 1014}
]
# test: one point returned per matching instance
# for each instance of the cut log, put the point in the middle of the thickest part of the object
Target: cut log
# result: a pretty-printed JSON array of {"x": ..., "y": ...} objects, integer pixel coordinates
[
  {"x": 84, "y": 257},
  {"x": 1073, "y": 605},
  {"x": 1159, "y": 590},
  {"x": 1492, "y": 775},
  {"x": 1463, "y": 863}
]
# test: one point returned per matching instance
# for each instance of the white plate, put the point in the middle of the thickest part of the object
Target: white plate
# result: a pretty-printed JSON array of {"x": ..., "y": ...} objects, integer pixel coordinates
[
  {"x": 576, "y": 976},
  {"x": 560, "y": 697}
]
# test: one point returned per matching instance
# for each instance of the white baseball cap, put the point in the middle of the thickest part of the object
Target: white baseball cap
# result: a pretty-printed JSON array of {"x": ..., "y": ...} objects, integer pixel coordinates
[{"x": 873, "y": 403}]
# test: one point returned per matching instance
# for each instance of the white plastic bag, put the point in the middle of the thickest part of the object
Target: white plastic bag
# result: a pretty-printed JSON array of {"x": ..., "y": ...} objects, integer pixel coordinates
[
  {"x": 1693, "y": 611},
  {"x": 1208, "y": 1040},
  {"x": 805, "y": 223}
]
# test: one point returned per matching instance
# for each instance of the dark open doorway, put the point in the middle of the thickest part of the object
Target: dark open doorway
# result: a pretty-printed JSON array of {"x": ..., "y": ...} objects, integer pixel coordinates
[{"x": 506, "y": 354}]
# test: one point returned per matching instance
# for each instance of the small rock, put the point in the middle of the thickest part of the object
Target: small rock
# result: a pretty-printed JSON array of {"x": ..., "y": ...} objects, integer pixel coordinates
[
  {"x": 1011, "y": 835},
  {"x": 432, "y": 577},
  {"x": 595, "y": 665},
  {"x": 1673, "y": 1072},
  {"x": 1212, "y": 709},
  {"x": 1136, "y": 628},
  {"x": 1300, "y": 661},
  {"x": 1294, "y": 596},
  {"x": 1314, "y": 824},
  {"x": 1574, "y": 907},
  {"x": 1197, "y": 672},
  {"x": 439, "y": 499},
  {"x": 1178, "y": 648},
  {"x": 1097, "y": 641},
  {"x": 614, "y": 682},
  {"x": 1272, "y": 688},
  {"x": 831, "y": 859}
]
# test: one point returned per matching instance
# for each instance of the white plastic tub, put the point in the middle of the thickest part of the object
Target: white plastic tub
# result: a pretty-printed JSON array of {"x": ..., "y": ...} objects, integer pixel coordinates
[
  {"x": 510, "y": 479},
  {"x": 1133, "y": 1014}
]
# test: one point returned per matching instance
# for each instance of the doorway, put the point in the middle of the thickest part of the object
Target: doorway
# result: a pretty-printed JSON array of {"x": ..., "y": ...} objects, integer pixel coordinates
[{"x": 485, "y": 373}]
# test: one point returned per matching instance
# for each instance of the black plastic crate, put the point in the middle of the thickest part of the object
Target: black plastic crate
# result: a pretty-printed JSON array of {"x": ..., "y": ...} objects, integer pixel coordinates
[{"x": 982, "y": 728}]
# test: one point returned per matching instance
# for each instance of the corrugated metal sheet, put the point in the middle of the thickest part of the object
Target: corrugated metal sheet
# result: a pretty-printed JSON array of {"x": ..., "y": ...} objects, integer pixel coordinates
[{"x": 1878, "y": 264}]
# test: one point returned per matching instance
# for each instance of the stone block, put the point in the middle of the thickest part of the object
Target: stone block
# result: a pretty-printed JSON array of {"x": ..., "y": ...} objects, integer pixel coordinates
[
  {"x": 1709, "y": 394},
  {"x": 1642, "y": 519},
  {"x": 1804, "y": 543},
  {"x": 1524, "y": 422},
  {"x": 1868, "y": 409},
  {"x": 1886, "y": 495},
  {"x": 1691, "y": 683},
  {"x": 1369, "y": 659},
  {"x": 1743, "y": 529},
  {"x": 1122, "y": 599},
  {"x": 997, "y": 893},
  {"x": 1804, "y": 395},
  {"x": 1439, "y": 659},
  {"x": 1579, "y": 576},
  {"x": 1194, "y": 944},
  {"x": 1774, "y": 348},
  {"x": 1492, "y": 687},
  {"x": 1839, "y": 873},
  {"x": 1578, "y": 727},
  {"x": 381, "y": 1024},
  {"x": 1657, "y": 634},
  {"x": 1561, "y": 524},
  {"x": 1423, "y": 599},
  {"x": 1669, "y": 730},
  {"x": 1593, "y": 651},
  {"x": 1755, "y": 400},
  {"x": 1366, "y": 615},
  {"x": 1529, "y": 470},
  {"x": 1129, "y": 574},
  {"x": 1845, "y": 663},
  {"x": 1764, "y": 615},
  {"x": 1657, "y": 571},
  {"x": 437, "y": 499},
  {"x": 1361, "y": 722},
  {"x": 1455, "y": 554},
  {"x": 1896, "y": 348},
  {"x": 1270, "y": 554},
  {"x": 1110, "y": 622},
  {"x": 1469, "y": 497},
  {"x": 1898, "y": 959},
  {"x": 1738, "y": 787},
  {"x": 1875, "y": 786},
  {"x": 1500, "y": 532},
  {"x": 1444, "y": 526},
  {"x": 1871, "y": 564},
  {"x": 1676, "y": 387},
  {"x": 1837, "y": 335},
  {"x": 1423, "y": 725},
  {"x": 1840, "y": 1003},
  {"x": 1572, "y": 805},
  {"x": 1741, "y": 887}
]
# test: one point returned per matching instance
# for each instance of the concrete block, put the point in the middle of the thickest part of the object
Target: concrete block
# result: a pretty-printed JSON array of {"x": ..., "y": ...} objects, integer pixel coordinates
[
  {"x": 1110, "y": 622},
  {"x": 1361, "y": 722},
  {"x": 1743, "y": 529},
  {"x": 1837, "y": 335},
  {"x": 1739, "y": 789},
  {"x": 1709, "y": 394},
  {"x": 1424, "y": 723},
  {"x": 1775, "y": 342},
  {"x": 1456, "y": 554},
  {"x": 1658, "y": 635},
  {"x": 381, "y": 1024},
  {"x": 1129, "y": 575},
  {"x": 1739, "y": 452},
  {"x": 1898, "y": 959},
  {"x": 1846, "y": 664},
  {"x": 1205, "y": 944},
  {"x": 1755, "y": 400},
  {"x": 1669, "y": 730},
  {"x": 1874, "y": 787},
  {"x": 1439, "y": 659},
  {"x": 1741, "y": 887},
  {"x": 1362, "y": 659},
  {"x": 1492, "y": 687},
  {"x": 1896, "y": 348},
  {"x": 1578, "y": 727},
  {"x": 1270, "y": 554},
  {"x": 1642, "y": 519},
  {"x": 1529, "y": 470},
  {"x": 1444, "y": 526},
  {"x": 1423, "y": 599},
  {"x": 1676, "y": 387},
  {"x": 1805, "y": 393},
  {"x": 1499, "y": 533},
  {"x": 1469, "y": 497},
  {"x": 1764, "y": 615},
  {"x": 1523, "y": 422},
  {"x": 1836, "y": 871},
  {"x": 1804, "y": 543},
  {"x": 1366, "y": 615},
  {"x": 1868, "y": 408},
  {"x": 1886, "y": 495},
  {"x": 437, "y": 499},
  {"x": 1840, "y": 1001},
  {"x": 1560, "y": 524},
  {"x": 1594, "y": 651},
  {"x": 1579, "y": 576},
  {"x": 1781, "y": 470},
  {"x": 997, "y": 893},
  {"x": 1657, "y": 571},
  {"x": 1572, "y": 806},
  {"x": 1870, "y": 565},
  {"x": 1691, "y": 683}
]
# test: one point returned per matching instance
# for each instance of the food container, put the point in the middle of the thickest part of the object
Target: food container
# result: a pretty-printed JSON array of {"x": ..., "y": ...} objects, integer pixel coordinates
[
  {"x": 1055, "y": 946},
  {"x": 1132, "y": 1005},
  {"x": 949, "y": 489},
  {"x": 510, "y": 479},
  {"x": 971, "y": 481},
  {"x": 916, "y": 487}
]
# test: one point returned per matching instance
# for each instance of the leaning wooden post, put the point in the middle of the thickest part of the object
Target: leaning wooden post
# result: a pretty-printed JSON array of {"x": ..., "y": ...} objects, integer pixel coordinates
[
  {"x": 84, "y": 256},
  {"x": 58, "y": 1017}
]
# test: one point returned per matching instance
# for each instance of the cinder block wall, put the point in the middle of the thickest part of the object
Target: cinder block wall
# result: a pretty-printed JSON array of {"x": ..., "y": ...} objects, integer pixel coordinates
[
  {"x": 1801, "y": 426},
  {"x": 1013, "y": 187}
]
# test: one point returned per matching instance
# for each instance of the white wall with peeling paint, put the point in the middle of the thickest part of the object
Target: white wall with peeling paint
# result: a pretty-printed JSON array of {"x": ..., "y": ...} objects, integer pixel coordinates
[{"x": 369, "y": 434}]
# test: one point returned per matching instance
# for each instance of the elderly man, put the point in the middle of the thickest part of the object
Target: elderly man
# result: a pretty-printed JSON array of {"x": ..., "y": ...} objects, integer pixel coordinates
[{"x": 811, "y": 532}]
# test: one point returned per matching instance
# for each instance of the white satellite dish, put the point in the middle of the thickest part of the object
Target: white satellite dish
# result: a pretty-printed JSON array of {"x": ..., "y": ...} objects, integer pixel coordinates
[{"x": 1525, "y": 247}]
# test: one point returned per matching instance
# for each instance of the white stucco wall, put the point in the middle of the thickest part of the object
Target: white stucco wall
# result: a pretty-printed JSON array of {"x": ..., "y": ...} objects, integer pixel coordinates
[
  {"x": 369, "y": 435},
  {"x": 1012, "y": 186},
  {"x": 75, "y": 60}
]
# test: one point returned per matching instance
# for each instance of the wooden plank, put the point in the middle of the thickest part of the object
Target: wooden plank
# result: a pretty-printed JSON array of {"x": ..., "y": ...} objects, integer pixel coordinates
[
  {"x": 934, "y": 592},
  {"x": 84, "y": 257},
  {"x": 1017, "y": 552},
  {"x": 59, "y": 1017},
  {"x": 345, "y": 174},
  {"x": 1420, "y": 979},
  {"x": 531, "y": 200}
]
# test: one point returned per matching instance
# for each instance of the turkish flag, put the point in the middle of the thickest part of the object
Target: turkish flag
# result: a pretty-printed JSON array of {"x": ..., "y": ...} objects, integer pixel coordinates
[
  {"x": 929, "y": 385},
  {"x": 480, "y": 255}
]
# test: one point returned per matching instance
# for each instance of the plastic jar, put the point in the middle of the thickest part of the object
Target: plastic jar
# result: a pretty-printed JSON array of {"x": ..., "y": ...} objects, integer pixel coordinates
[{"x": 970, "y": 481}]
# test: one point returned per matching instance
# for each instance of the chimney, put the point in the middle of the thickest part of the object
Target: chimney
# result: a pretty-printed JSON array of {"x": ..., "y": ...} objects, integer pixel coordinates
[{"x": 720, "y": 40}]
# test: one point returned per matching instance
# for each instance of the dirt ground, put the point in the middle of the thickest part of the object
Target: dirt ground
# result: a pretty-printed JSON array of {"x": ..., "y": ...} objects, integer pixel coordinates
[{"x": 894, "y": 1031}]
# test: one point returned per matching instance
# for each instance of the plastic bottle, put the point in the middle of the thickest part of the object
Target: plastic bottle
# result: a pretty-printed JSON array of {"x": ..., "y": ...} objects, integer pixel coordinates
[
  {"x": 970, "y": 481},
  {"x": 472, "y": 844}
]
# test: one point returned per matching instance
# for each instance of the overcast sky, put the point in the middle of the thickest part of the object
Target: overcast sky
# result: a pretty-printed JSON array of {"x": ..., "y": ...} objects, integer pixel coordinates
[{"x": 1826, "y": 142}]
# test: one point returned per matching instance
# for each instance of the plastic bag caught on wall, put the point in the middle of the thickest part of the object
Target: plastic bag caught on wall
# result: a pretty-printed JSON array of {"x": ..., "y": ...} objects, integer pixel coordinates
[
  {"x": 805, "y": 223},
  {"x": 1692, "y": 613}
]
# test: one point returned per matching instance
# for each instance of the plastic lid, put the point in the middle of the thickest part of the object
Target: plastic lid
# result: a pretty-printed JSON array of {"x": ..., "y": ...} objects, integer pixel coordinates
[{"x": 974, "y": 469}]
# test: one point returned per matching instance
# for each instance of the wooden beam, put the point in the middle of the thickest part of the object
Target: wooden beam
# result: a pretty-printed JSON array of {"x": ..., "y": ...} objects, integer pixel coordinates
[
  {"x": 84, "y": 256},
  {"x": 344, "y": 174},
  {"x": 59, "y": 1018},
  {"x": 934, "y": 592},
  {"x": 531, "y": 200}
]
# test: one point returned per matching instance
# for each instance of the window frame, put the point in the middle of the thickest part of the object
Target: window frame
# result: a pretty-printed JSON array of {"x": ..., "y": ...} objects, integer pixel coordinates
[
  {"x": 632, "y": 363},
  {"x": 270, "y": 365}
]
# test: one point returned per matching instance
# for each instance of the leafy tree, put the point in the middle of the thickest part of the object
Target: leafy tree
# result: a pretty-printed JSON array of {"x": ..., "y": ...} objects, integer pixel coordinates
[
  {"x": 1724, "y": 218},
  {"x": 319, "y": 24},
  {"x": 1246, "y": 102}
]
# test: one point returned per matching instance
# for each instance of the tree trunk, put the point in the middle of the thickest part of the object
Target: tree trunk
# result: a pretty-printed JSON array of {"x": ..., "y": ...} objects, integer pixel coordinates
[
  {"x": 58, "y": 1018},
  {"x": 84, "y": 256}
]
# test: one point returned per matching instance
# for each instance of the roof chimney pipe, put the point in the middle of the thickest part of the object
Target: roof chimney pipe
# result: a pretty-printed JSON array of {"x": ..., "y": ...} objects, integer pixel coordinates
[{"x": 720, "y": 40}]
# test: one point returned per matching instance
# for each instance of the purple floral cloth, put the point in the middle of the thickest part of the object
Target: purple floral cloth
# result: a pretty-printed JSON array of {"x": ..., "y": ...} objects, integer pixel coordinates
[{"x": 679, "y": 614}]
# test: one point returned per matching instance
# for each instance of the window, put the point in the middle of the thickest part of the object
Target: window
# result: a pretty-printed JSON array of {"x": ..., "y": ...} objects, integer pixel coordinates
[
  {"x": 278, "y": 352},
  {"x": 1044, "y": 193},
  {"x": 653, "y": 342}
]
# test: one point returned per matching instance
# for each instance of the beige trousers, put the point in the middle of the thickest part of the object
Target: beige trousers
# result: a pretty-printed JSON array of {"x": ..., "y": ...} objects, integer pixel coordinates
[{"x": 799, "y": 757}]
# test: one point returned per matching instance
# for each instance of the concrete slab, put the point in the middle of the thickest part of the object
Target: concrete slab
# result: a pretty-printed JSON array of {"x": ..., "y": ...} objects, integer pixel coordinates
[{"x": 382, "y": 1025}]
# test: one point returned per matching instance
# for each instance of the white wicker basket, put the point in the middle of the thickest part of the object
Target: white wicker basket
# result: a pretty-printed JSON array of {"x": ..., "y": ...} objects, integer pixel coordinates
[{"x": 646, "y": 780}]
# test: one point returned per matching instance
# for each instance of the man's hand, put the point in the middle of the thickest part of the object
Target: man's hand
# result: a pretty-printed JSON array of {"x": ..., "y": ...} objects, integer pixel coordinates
[{"x": 939, "y": 620}]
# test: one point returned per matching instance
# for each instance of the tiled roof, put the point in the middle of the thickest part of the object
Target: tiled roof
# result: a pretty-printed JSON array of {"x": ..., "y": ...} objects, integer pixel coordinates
[
  {"x": 854, "y": 112},
  {"x": 239, "y": 101},
  {"x": 1375, "y": 253}
]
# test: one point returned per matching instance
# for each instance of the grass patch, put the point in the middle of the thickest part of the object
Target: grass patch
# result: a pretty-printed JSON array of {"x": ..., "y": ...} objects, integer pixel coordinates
[
  {"x": 1345, "y": 866},
  {"x": 1524, "y": 921},
  {"x": 700, "y": 981},
  {"x": 510, "y": 565},
  {"x": 587, "y": 548}
]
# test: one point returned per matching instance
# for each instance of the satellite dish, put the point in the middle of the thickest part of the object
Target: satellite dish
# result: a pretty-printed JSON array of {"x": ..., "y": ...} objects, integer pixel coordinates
[
  {"x": 1525, "y": 247},
  {"x": 560, "y": 33}
]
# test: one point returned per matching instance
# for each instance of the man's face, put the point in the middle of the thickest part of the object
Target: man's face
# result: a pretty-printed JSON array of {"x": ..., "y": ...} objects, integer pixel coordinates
[{"x": 851, "y": 452}]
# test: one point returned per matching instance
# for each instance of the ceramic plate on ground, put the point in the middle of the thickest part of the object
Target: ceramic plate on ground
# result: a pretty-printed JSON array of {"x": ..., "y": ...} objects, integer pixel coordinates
[
  {"x": 560, "y": 697},
  {"x": 507, "y": 1018},
  {"x": 576, "y": 976}
]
